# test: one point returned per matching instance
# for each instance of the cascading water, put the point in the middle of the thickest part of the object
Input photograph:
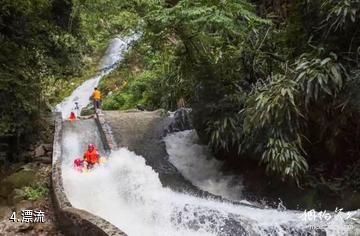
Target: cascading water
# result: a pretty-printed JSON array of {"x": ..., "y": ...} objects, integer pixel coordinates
[
  {"x": 81, "y": 94},
  {"x": 129, "y": 194},
  {"x": 187, "y": 156}
]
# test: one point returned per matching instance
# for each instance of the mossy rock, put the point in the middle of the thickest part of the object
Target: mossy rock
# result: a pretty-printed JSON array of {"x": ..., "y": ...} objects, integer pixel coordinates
[
  {"x": 20, "y": 179},
  {"x": 24, "y": 204},
  {"x": 3, "y": 201},
  {"x": 5, "y": 189},
  {"x": 89, "y": 110},
  {"x": 5, "y": 212},
  {"x": 16, "y": 196}
]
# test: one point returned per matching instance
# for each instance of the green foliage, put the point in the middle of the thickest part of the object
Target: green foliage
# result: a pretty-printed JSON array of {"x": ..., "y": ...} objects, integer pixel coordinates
[
  {"x": 224, "y": 133},
  {"x": 150, "y": 81},
  {"x": 319, "y": 77},
  {"x": 305, "y": 102},
  {"x": 102, "y": 19},
  {"x": 44, "y": 48},
  {"x": 284, "y": 158},
  {"x": 340, "y": 13},
  {"x": 273, "y": 92},
  {"x": 286, "y": 105},
  {"x": 33, "y": 48},
  {"x": 273, "y": 104},
  {"x": 267, "y": 92},
  {"x": 131, "y": 95},
  {"x": 35, "y": 192},
  {"x": 272, "y": 112}
]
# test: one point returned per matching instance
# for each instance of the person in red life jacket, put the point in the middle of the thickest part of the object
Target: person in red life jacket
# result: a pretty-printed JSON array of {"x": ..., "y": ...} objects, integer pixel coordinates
[
  {"x": 72, "y": 116},
  {"x": 78, "y": 164},
  {"x": 91, "y": 156}
]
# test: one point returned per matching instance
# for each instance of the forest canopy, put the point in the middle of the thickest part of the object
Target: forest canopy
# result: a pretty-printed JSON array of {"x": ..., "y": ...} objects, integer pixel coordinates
[
  {"x": 45, "y": 44},
  {"x": 273, "y": 84}
]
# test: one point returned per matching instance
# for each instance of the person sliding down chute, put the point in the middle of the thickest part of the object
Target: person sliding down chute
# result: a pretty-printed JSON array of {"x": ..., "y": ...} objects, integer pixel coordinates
[
  {"x": 72, "y": 116},
  {"x": 91, "y": 156},
  {"x": 79, "y": 165}
]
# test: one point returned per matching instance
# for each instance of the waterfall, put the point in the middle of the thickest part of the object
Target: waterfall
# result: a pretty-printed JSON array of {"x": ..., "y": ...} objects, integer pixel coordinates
[{"x": 128, "y": 193}]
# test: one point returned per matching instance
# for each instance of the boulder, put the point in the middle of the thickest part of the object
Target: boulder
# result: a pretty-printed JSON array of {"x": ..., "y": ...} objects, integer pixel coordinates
[
  {"x": 43, "y": 159},
  {"x": 24, "y": 227},
  {"x": 43, "y": 227},
  {"x": 40, "y": 151},
  {"x": 182, "y": 120},
  {"x": 27, "y": 155},
  {"x": 5, "y": 189},
  {"x": 24, "y": 205},
  {"x": 5, "y": 212},
  {"x": 24, "y": 177},
  {"x": 3, "y": 201},
  {"x": 48, "y": 147},
  {"x": 16, "y": 196}
]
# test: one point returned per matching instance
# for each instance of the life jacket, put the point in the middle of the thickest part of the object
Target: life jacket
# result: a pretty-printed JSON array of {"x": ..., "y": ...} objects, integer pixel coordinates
[
  {"x": 96, "y": 95},
  {"x": 72, "y": 116},
  {"x": 91, "y": 157}
]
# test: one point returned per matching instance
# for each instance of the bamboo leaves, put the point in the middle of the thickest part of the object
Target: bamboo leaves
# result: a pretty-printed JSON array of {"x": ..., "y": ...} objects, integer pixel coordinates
[
  {"x": 283, "y": 158},
  {"x": 319, "y": 77}
]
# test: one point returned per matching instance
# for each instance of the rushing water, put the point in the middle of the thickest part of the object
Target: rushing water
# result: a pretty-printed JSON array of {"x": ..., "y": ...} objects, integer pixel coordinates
[
  {"x": 81, "y": 94},
  {"x": 129, "y": 194},
  {"x": 188, "y": 157}
]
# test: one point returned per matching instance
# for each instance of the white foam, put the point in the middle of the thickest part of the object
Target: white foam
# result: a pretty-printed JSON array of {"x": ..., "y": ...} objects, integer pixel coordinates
[
  {"x": 121, "y": 193},
  {"x": 196, "y": 163},
  {"x": 129, "y": 194}
]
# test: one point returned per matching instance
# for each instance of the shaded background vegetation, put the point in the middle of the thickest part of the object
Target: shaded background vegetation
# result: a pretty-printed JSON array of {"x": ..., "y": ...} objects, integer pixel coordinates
[
  {"x": 47, "y": 48},
  {"x": 273, "y": 83}
]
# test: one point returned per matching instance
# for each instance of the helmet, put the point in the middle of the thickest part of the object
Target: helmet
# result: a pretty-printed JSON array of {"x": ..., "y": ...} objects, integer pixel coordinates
[
  {"x": 77, "y": 162},
  {"x": 91, "y": 146}
]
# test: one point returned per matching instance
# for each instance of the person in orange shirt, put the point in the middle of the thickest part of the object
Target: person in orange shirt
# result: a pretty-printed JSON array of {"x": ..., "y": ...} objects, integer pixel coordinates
[
  {"x": 96, "y": 96},
  {"x": 91, "y": 156}
]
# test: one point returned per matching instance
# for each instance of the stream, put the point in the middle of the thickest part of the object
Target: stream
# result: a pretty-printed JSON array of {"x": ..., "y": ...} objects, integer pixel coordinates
[{"x": 128, "y": 193}]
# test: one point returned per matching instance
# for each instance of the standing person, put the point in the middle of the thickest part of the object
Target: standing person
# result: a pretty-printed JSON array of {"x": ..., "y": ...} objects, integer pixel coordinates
[
  {"x": 77, "y": 109},
  {"x": 96, "y": 95}
]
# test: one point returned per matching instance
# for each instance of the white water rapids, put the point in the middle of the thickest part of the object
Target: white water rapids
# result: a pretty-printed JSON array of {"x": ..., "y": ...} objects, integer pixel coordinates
[
  {"x": 128, "y": 193},
  {"x": 186, "y": 155}
]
